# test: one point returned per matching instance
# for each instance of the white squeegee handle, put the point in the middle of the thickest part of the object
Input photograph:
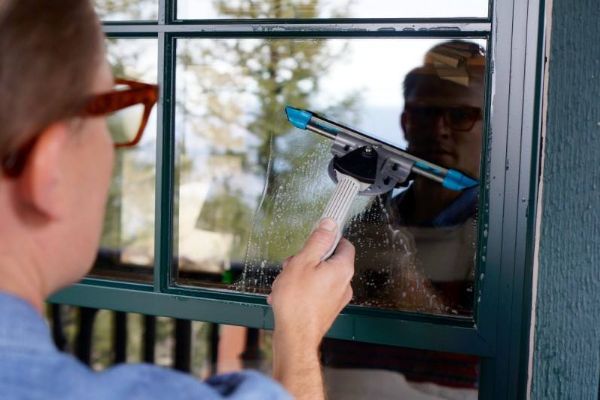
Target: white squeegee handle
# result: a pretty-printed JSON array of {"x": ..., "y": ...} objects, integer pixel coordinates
[{"x": 339, "y": 204}]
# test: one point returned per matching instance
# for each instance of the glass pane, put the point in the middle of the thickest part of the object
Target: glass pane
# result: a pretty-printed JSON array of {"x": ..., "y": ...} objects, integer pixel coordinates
[
  {"x": 354, "y": 370},
  {"x": 245, "y": 9},
  {"x": 127, "y": 244},
  {"x": 122, "y": 10},
  {"x": 250, "y": 186}
]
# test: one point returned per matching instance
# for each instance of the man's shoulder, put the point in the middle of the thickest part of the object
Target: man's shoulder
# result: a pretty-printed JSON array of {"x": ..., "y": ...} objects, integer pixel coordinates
[
  {"x": 31, "y": 367},
  {"x": 61, "y": 376}
]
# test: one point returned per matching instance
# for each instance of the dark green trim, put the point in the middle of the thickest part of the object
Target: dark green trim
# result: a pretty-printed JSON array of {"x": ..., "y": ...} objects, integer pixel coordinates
[
  {"x": 484, "y": 173},
  {"x": 132, "y": 33},
  {"x": 170, "y": 10},
  {"x": 536, "y": 62},
  {"x": 514, "y": 157},
  {"x": 252, "y": 311},
  {"x": 165, "y": 170}
]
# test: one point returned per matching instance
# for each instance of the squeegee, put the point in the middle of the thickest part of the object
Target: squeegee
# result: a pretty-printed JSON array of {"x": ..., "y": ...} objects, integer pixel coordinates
[{"x": 362, "y": 165}]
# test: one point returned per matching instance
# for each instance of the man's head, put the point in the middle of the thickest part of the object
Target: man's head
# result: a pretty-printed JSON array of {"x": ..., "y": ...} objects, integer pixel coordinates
[
  {"x": 442, "y": 118},
  {"x": 52, "y": 51},
  {"x": 53, "y": 197}
]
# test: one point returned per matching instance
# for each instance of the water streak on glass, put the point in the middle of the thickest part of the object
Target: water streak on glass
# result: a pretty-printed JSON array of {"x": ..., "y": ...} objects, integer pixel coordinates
[{"x": 286, "y": 217}]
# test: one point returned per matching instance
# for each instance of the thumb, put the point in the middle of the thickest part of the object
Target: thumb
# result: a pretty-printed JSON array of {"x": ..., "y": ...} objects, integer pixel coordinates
[{"x": 319, "y": 241}]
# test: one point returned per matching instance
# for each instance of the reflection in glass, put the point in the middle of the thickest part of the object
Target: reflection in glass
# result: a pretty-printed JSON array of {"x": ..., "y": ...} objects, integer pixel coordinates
[
  {"x": 283, "y": 9},
  {"x": 416, "y": 247},
  {"x": 354, "y": 370},
  {"x": 251, "y": 186},
  {"x": 122, "y": 10},
  {"x": 127, "y": 242}
]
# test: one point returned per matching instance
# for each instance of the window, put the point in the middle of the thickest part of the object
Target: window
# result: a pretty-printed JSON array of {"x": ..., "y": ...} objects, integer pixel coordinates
[
  {"x": 251, "y": 185},
  {"x": 198, "y": 215}
]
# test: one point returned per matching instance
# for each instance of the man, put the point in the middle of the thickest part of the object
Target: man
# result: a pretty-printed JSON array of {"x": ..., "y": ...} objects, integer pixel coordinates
[
  {"x": 433, "y": 228},
  {"x": 56, "y": 156},
  {"x": 416, "y": 249}
]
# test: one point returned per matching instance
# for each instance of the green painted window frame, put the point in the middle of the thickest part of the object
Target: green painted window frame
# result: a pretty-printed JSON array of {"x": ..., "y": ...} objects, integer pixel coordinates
[{"x": 499, "y": 332}]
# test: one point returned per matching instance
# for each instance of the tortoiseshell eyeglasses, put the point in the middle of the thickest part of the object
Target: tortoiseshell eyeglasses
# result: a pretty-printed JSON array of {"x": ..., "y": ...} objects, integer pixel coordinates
[{"x": 128, "y": 107}]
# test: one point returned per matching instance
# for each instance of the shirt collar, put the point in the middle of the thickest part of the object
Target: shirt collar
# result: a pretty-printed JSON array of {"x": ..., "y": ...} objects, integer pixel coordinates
[{"x": 21, "y": 326}]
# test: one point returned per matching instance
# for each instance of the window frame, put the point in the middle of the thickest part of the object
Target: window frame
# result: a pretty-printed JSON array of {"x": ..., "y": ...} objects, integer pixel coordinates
[{"x": 499, "y": 331}]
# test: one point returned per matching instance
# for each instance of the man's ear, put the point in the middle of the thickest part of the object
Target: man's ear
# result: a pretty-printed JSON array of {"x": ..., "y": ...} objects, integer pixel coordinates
[{"x": 42, "y": 180}]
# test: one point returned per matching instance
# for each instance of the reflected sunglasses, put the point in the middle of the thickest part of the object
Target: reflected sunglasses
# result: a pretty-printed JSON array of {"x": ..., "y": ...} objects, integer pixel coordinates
[
  {"x": 458, "y": 118},
  {"x": 128, "y": 107}
]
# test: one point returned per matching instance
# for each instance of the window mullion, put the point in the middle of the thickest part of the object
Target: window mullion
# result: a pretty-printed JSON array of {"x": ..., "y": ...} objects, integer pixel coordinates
[{"x": 164, "y": 165}]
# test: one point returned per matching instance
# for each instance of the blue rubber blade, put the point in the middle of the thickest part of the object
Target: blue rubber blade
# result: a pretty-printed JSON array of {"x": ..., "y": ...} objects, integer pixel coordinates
[
  {"x": 297, "y": 117},
  {"x": 454, "y": 180}
]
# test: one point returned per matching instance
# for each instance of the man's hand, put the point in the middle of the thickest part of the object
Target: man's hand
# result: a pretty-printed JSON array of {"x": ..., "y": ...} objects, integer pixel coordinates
[{"x": 306, "y": 297}]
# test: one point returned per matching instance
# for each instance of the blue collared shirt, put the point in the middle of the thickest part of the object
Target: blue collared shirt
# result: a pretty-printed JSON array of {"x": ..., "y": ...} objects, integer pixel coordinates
[{"x": 32, "y": 368}]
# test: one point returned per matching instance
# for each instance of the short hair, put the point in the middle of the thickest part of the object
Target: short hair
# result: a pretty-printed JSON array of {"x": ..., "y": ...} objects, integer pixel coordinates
[
  {"x": 461, "y": 59},
  {"x": 51, "y": 52}
]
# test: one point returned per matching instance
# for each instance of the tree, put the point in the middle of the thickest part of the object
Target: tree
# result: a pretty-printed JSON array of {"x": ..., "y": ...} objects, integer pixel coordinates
[{"x": 245, "y": 85}]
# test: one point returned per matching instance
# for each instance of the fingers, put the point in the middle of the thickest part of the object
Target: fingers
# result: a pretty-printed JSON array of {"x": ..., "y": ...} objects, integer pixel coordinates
[
  {"x": 342, "y": 260},
  {"x": 318, "y": 243},
  {"x": 344, "y": 252}
]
